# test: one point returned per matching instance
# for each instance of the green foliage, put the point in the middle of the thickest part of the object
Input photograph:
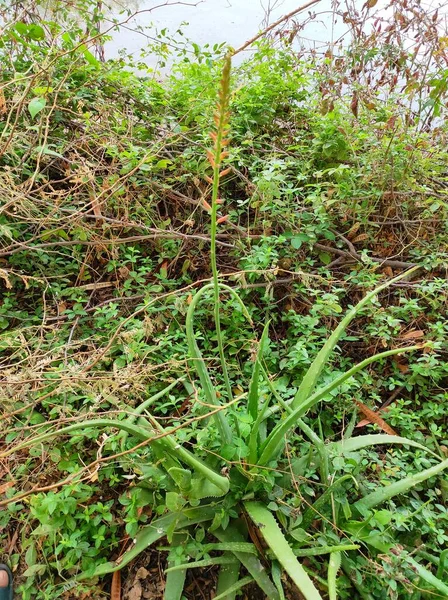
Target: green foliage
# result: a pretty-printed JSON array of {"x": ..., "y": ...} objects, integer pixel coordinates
[{"x": 196, "y": 403}]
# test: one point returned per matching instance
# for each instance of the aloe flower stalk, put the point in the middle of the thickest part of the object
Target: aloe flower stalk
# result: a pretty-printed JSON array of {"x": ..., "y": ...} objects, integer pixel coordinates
[{"x": 216, "y": 156}]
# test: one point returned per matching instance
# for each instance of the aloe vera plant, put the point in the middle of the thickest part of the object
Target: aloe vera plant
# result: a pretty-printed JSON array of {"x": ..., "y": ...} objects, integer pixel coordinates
[{"x": 218, "y": 498}]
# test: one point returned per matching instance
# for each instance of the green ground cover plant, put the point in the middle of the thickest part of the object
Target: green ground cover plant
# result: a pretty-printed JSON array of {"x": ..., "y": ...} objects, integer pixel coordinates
[{"x": 207, "y": 283}]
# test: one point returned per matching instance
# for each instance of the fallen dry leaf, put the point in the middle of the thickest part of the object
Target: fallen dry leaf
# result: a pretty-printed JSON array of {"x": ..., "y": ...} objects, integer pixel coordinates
[
  {"x": 403, "y": 367},
  {"x": 412, "y": 335},
  {"x": 365, "y": 422},
  {"x": 360, "y": 238},
  {"x": 96, "y": 207},
  {"x": 4, "y": 276},
  {"x": 374, "y": 417},
  {"x": 353, "y": 230},
  {"x": 136, "y": 591},
  {"x": 6, "y": 486}
]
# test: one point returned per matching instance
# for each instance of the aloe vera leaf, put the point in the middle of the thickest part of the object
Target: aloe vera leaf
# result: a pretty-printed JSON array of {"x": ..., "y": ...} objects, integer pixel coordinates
[
  {"x": 313, "y": 511},
  {"x": 277, "y": 579},
  {"x": 258, "y": 429},
  {"x": 207, "y": 562},
  {"x": 254, "y": 436},
  {"x": 310, "y": 379},
  {"x": 398, "y": 487},
  {"x": 442, "y": 560},
  {"x": 167, "y": 441},
  {"x": 84, "y": 426},
  {"x": 353, "y": 574},
  {"x": 348, "y": 431},
  {"x": 312, "y": 436},
  {"x": 326, "y": 389},
  {"x": 429, "y": 577},
  {"x": 375, "y": 439},
  {"x": 199, "y": 363},
  {"x": 150, "y": 534},
  {"x": 250, "y": 562},
  {"x": 232, "y": 547},
  {"x": 175, "y": 580},
  {"x": 179, "y": 452},
  {"x": 320, "y": 447},
  {"x": 150, "y": 401},
  {"x": 202, "y": 488},
  {"x": 333, "y": 567},
  {"x": 174, "y": 585},
  {"x": 228, "y": 576},
  {"x": 426, "y": 556},
  {"x": 146, "y": 404},
  {"x": 275, "y": 539},
  {"x": 182, "y": 478},
  {"x": 254, "y": 386},
  {"x": 322, "y": 582},
  {"x": 221, "y": 484},
  {"x": 276, "y": 438},
  {"x": 320, "y": 550},
  {"x": 235, "y": 587}
]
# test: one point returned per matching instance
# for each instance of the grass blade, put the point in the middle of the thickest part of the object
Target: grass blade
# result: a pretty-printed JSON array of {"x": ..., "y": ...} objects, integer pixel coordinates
[{"x": 275, "y": 539}]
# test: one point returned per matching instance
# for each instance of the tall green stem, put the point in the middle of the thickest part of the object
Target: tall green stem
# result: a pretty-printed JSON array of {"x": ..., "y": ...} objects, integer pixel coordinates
[{"x": 221, "y": 120}]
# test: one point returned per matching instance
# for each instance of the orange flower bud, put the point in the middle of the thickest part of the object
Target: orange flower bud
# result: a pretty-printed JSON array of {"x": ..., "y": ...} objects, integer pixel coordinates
[{"x": 211, "y": 158}]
